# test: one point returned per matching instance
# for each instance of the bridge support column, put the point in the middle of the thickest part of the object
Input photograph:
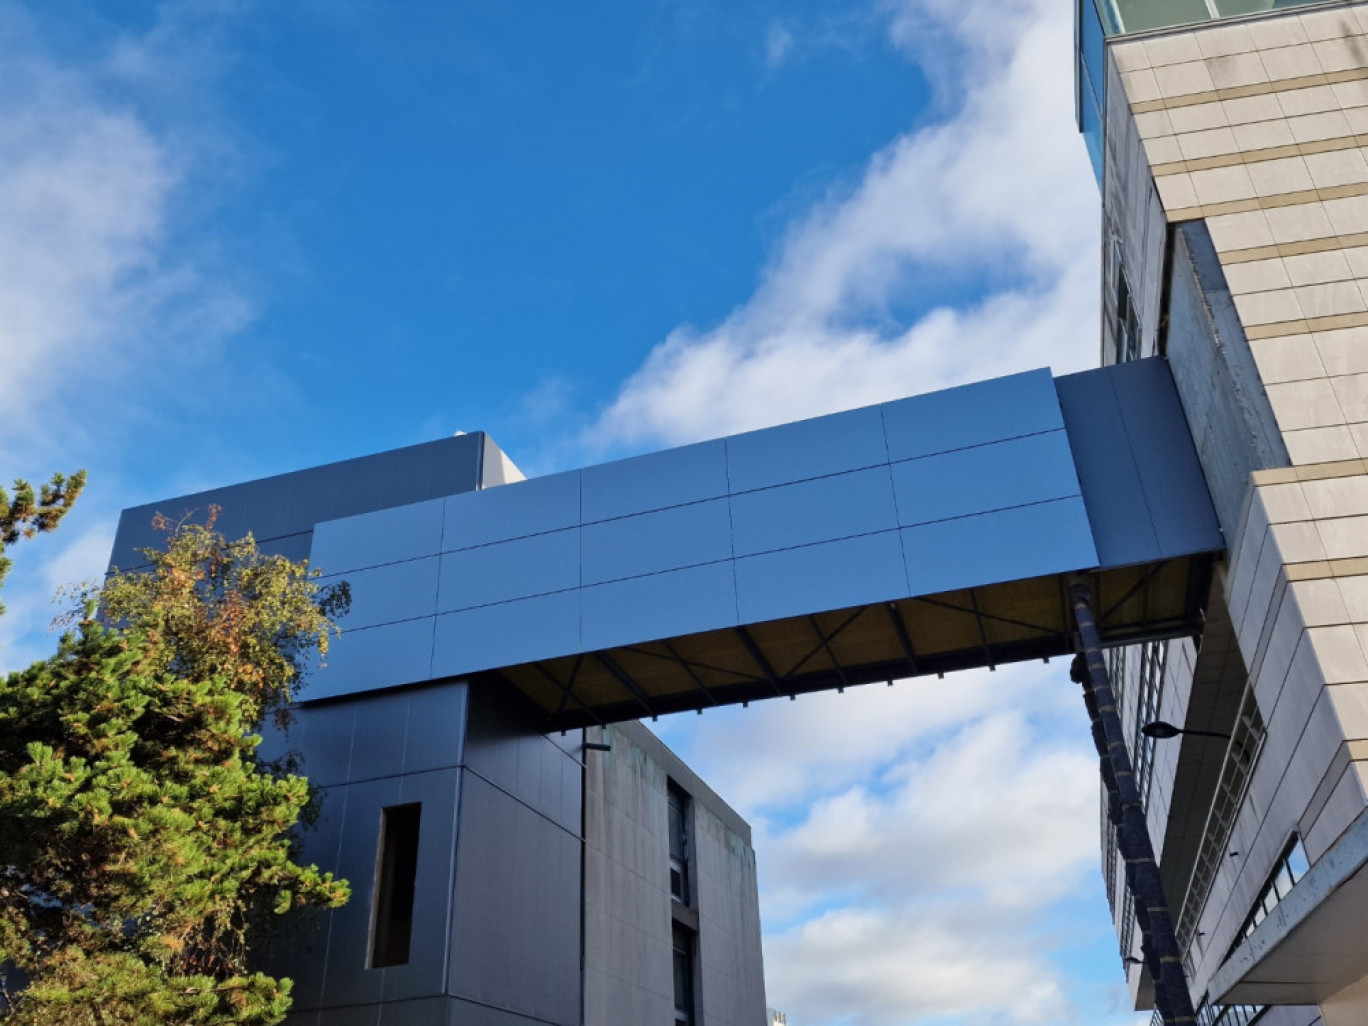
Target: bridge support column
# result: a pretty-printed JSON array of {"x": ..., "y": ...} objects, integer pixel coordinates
[{"x": 1127, "y": 814}]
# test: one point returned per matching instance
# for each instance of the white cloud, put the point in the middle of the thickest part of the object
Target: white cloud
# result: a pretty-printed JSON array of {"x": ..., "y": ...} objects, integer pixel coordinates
[
  {"x": 90, "y": 288},
  {"x": 886, "y": 966},
  {"x": 778, "y": 43},
  {"x": 984, "y": 224}
]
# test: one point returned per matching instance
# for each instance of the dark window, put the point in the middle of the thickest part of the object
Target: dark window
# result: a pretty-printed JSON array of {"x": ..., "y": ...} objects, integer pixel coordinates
[
  {"x": 683, "y": 976},
  {"x": 679, "y": 845},
  {"x": 1127, "y": 320},
  {"x": 1153, "y": 655},
  {"x": 395, "y": 870}
]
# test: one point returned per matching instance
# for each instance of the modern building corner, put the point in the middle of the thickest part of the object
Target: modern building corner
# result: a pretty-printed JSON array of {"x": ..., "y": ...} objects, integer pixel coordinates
[{"x": 1228, "y": 139}]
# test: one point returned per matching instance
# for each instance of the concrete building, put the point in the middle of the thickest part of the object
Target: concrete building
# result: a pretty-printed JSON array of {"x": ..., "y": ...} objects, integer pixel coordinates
[
  {"x": 1228, "y": 137},
  {"x": 501, "y": 875}
]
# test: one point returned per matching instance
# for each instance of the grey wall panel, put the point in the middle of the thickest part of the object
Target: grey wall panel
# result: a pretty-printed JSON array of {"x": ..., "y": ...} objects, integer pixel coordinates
[
  {"x": 300, "y": 950},
  {"x": 806, "y": 449},
  {"x": 323, "y": 733},
  {"x": 395, "y": 591},
  {"x": 375, "y": 657},
  {"x": 508, "y": 570},
  {"x": 1175, "y": 489},
  {"x": 502, "y": 747},
  {"x": 468, "y": 1013},
  {"x": 513, "y": 867},
  {"x": 1224, "y": 399},
  {"x": 347, "y": 981},
  {"x": 514, "y": 510},
  {"x": 1016, "y": 472},
  {"x": 421, "y": 1012},
  {"x": 363, "y": 1015},
  {"x": 379, "y": 735},
  {"x": 1112, "y": 490},
  {"x": 976, "y": 414},
  {"x": 651, "y": 542},
  {"x": 832, "y": 575},
  {"x": 513, "y": 632},
  {"x": 730, "y": 969},
  {"x": 434, "y": 736},
  {"x": 675, "y": 477},
  {"x": 291, "y": 504},
  {"x": 425, "y": 972},
  {"x": 1029, "y": 541},
  {"x": 825, "y": 509},
  {"x": 700, "y": 598},
  {"x": 383, "y": 536},
  {"x": 402, "y": 730}
]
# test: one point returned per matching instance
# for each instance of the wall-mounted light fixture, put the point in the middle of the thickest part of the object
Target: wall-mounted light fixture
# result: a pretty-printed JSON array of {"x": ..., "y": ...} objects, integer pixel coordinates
[{"x": 1163, "y": 731}]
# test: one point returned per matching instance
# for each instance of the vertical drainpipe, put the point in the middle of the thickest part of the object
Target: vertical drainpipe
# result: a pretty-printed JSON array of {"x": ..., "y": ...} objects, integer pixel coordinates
[{"x": 1160, "y": 945}]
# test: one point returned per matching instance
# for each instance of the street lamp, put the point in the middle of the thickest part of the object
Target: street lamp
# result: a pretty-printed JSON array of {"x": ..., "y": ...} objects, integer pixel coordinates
[{"x": 1162, "y": 731}]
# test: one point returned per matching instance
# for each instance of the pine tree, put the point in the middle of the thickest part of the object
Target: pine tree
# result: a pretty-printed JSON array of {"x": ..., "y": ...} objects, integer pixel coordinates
[
  {"x": 29, "y": 514},
  {"x": 144, "y": 849}
]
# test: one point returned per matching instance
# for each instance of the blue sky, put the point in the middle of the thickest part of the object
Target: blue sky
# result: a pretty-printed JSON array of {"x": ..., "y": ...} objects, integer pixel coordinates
[{"x": 240, "y": 238}]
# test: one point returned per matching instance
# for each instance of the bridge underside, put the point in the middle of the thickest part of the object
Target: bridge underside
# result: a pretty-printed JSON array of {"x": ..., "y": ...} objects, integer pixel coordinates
[{"x": 956, "y": 630}]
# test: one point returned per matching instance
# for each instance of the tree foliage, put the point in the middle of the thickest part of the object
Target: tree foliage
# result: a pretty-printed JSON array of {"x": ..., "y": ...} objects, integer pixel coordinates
[
  {"x": 28, "y": 513},
  {"x": 144, "y": 849}
]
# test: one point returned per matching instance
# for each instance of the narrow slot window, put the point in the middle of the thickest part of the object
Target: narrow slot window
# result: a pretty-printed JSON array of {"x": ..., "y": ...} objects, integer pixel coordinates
[
  {"x": 395, "y": 871},
  {"x": 679, "y": 845},
  {"x": 683, "y": 976}
]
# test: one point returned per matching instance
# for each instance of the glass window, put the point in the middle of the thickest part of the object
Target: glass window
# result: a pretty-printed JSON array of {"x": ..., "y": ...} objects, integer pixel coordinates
[
  {"x": 683, "y": 976},
  {"x": 396, "y": 874},
  {"x": 679, "y": 845}
]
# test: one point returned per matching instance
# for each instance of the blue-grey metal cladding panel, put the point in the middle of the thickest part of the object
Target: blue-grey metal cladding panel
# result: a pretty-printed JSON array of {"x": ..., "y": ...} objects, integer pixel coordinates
[
  {"x": 346, "y": 981},
  {"x": 375, "y": 657},
  {"x": 515, "y": 510},
  {"x": 832, "y": 575},
  {"x": 291, "y": 504},
  {"x": 674, "y": 477},
  {"x": 395, "y": 591},
  {"x": 1112, "y": 490},
  {"x": 512, "y": 865},
  {"x": 699, "y": 598},
  {"x": 1005, "y": 545},
  {"x": 488, "y": 637},
  {"x": 840, "y": 506},
  {"x": 425, "y": 972},
  {"x": 1165, "y": 458},
  {"x": 986, "y": 411},
  {"x": 385, "y": 536},
  {"x": 806, "y": 449},
  {"x": 509, "y": 570},
  {"x": 1141, "y": 481},
  {"x": 648, "y": 543},
  {"x": 1016, "y": 472}
]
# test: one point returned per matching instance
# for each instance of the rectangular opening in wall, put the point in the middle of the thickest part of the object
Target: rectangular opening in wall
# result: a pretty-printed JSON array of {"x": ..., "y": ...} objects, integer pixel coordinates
[
  {"x": 396, "y": 868},
  {"x": 683, "y": 976},
  {"x": 679, "y": 844}
]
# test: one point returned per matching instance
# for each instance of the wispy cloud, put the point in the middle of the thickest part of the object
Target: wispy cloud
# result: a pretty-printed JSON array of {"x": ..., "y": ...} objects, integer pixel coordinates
[
  {"x": 967, "y": 249},
  {"x": 92, "y": 293},
  {"x": 105, "y": 310}
]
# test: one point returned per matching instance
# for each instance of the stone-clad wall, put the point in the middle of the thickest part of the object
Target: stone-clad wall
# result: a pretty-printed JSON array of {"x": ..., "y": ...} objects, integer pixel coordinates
[{"x": 1259, "y": 128}]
